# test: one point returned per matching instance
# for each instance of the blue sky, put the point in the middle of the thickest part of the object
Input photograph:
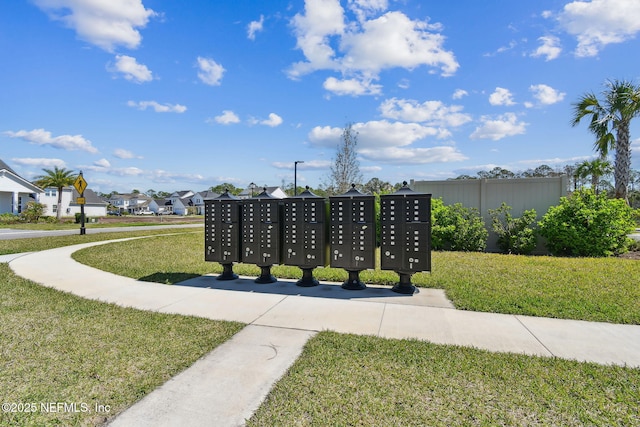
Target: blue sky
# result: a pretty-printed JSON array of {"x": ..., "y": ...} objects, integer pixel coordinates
[{"x": 166, "y": 95}]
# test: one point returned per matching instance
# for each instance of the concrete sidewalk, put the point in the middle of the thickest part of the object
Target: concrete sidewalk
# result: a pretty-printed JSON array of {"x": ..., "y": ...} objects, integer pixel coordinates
[{"x": 283, "y": 316}]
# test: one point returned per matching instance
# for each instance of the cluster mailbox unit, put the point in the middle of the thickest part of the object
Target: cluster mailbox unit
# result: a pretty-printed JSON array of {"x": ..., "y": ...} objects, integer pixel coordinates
[
  {"x": 353, "y": 235},
  {"x": 306, "y": 232},
  {"x": 261, "y": 233},
  {"x": 405, "y": 235},
  {"x": 222, "y": 233},
  {"x": 304, "y": 239}
]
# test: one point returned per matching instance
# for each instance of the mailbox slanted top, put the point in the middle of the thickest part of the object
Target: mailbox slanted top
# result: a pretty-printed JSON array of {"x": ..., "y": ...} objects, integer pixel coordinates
[
  {"x": 306, "y": 194},
  {"x": 353, "y": 192},
  {"x": 404, "y": 190},
  {"x": 226, "y": 197},
  {"x": 264, "y": 195}
]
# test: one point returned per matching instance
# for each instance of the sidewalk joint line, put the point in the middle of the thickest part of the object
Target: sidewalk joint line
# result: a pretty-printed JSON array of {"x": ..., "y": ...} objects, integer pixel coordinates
[{"x": 534, "y": 335}]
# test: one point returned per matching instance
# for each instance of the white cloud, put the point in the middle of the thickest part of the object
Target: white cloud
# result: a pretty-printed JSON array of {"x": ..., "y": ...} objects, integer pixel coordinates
[
  {"x": 307, "y": 165},
  {"x": 498, "y": 128},
  {"x": 274, "y": 120},
  {"x": 106, "y": 24},
  {"x": 132, "y": 71},
  {"x": 414, "y": 156},
  {"x": 431, "y": 112},
  {"x": 549, "y": 48},
  {"x": 121, "y": 153},
  {"x": 157, "y": 107},
  {"x": 546, "y": 95},
  {"x": 39, "y": 162},
  {"x": 226, "y": 118},
  {"x": 364, "y": 47},
  {"x": 366, "y": 8},
  {"x": 353, "y": 87},
  {"x": 598, "y": 23},
  {"x": 501, "y": 96},
  {"x": 102, "y": 163},
  {"x": 65, "y": 142},
  {"x": 459, "y": 93},
  {"x": 254, "y": 27},
  {"x": 394, "y": 40},
  {"x": 210, "y": 71},
  {"x": 165, "y": 177},
  {"x": 389, "y": 142}
]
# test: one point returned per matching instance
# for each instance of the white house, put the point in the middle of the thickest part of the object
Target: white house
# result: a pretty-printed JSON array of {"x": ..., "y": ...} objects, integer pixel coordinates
[
  {"x": 15, "y": 191},
  {"x": 199, "y": 198},
  {"x": 276, "y": 192},
  {"x": 133, "y": 203},
  {"x": 94, "y": 205},
  {"x": 180, "y": 201}
]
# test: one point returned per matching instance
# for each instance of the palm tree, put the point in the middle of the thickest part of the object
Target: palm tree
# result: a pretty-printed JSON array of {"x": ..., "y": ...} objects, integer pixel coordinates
[
  {"x": 594, "y": 169},
  {"x": 57, "y": 178},
  {"x": 620, "y": 104}
]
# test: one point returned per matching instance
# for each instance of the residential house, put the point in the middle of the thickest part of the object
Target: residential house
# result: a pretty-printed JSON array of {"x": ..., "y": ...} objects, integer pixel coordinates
[
  {"x": 15, "y": 191},
  {"x": 199, "y": 198},
  {"x": 180, "y": 202},
  {"x": 276, "y": 192},
  {"x": 161, "y": 207},
  {"x": 94, "y": 205},
  {"x": 133, "y": 203}
]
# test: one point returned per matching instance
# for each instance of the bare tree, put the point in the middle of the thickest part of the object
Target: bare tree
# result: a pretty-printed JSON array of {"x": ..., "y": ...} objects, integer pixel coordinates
[{"x": 346, "y": 167}]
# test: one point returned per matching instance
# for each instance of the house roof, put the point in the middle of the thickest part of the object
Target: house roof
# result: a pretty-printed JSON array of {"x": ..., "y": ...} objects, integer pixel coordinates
[
  {"x": 29, "y": 186},
  {"x": 3, "y": 165},
  {"x": 91, "y": 198}
]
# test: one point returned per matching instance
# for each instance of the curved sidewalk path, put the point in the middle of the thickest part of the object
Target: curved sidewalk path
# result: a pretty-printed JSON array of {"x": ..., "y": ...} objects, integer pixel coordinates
[{"x": 226, "y": 386}]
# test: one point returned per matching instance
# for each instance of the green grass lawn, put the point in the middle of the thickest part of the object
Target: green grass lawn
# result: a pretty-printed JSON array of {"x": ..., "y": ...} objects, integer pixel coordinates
[
  {"x": 346, "y": 380},
  {"x": 595, "y": 289},
  {"x": 59, "y": 348},
  {"x": 16, "y": 246}
]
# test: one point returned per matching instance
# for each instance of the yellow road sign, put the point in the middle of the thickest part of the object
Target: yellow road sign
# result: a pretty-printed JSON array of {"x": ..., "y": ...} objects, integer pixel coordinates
[
  {"x": 80, "y": 184},
  {"x": 80, "y": 200}
]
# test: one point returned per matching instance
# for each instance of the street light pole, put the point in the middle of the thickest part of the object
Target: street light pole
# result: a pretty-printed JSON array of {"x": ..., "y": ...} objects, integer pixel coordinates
[{"x": 295, "y": 176}]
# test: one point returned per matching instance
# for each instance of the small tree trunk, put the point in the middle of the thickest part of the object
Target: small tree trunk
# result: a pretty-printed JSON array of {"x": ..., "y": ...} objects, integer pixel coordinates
[
  {"x": 622, "y": 169},
  {"x": 58, "y": 210}
]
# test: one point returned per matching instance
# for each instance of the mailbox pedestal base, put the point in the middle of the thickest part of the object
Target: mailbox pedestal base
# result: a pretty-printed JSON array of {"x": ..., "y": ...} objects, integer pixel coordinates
[
  {"x": 404, "y": 286},
  {"x": 265, "y": 275},
  {"x": 227, "y": 273},
  {"x": 307, "y": 278},
  {"x": 353, "y": 283}
]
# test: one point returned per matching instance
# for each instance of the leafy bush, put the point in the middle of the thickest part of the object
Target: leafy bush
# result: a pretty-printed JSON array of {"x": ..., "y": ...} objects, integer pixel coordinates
[
  {"x": 9, "y": 218},
  {"x": 456, "y": 228},
  {"x": 515, "y": 235},
  {"x": 33, "y": 211},
  {"x": 586, "y": 224}
]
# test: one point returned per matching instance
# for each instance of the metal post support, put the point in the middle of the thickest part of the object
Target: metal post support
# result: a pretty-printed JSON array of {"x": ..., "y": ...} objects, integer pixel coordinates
[
  {"x": 307, "y": 279},
  {"x": 227, "y": 272},
  {"x": 353, "y": 283},
  {"x": 405, "y": 286}
]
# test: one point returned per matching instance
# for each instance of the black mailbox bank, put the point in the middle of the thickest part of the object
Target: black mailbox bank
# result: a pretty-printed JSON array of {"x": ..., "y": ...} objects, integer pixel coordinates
[
  {"x": 261, "y": 234},
  {"x": 405, "y": 240},
  {"x": 222, "y": 233},
  {"x": 304, "y": 241},
  {"x": 352, "y": 235}
]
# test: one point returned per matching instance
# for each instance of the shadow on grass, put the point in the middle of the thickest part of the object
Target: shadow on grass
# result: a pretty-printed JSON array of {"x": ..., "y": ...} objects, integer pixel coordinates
[{"x": 168, "y": 278}]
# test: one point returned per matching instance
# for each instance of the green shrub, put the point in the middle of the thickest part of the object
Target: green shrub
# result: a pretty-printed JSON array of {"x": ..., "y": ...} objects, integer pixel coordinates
[
  {"x": 456, "y": 228},
  {"x": 33, "y": 211},
  {"x": 515, "y": 235},
  {"x": 586, "y": 224},
  {"x": 9, "y": 218}
]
